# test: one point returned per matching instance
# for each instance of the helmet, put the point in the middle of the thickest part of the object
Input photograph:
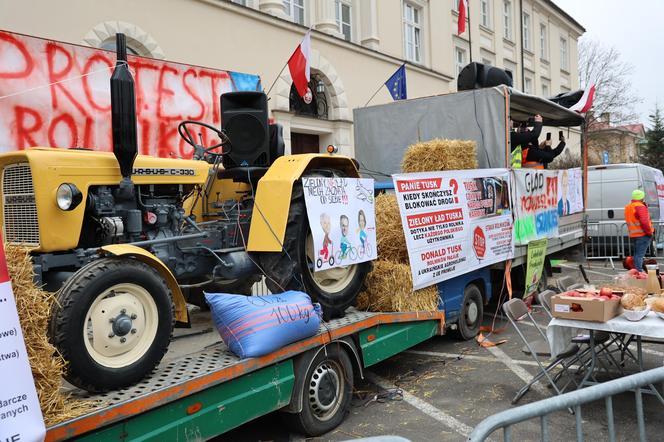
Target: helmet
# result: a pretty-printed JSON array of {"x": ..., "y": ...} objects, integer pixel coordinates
[{"x": 638, "y": 194}]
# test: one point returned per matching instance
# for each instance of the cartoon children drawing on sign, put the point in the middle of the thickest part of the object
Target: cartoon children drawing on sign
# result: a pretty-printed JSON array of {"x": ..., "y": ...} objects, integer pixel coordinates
[
  {"x": 326, "y": 225},
  {"x": 362, "y": 223},
  {"x": 344, "y": 223}
]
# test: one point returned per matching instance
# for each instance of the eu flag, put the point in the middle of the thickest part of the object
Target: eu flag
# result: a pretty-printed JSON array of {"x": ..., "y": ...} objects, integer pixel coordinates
[{"x": 396, "y": 84}]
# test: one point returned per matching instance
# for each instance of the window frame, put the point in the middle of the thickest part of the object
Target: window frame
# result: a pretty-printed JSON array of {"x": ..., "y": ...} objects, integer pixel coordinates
[
  {"x": 415, "y": 25},
  {"x": 528, "y": 85},
  {"x": 544, "y": 41},
  {"x": 458, "y": 65},
  {"x": 508, "y": 20},
  {"x": 485, "y": 14},
  {"x": 525, "y": 29},
  {"x": 548, "y": 92},
  {"x": 290, "y": 7},
  {"x": 339, "y": 5},
  {"x": 564, "y": 53}
]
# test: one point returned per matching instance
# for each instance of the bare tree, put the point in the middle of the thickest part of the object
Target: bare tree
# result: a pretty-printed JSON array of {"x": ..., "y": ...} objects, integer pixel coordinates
[{"x": 614, "y": 95}]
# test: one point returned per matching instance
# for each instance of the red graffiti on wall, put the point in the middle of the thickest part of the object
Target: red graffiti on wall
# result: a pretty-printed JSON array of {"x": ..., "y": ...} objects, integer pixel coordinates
[{"x": 57, "y": 95}]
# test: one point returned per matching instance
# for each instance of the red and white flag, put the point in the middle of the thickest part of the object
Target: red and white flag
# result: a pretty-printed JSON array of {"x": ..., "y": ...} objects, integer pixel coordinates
[
  {"x": 298, "y": 65},
  {"x": 461, "y": 28},
  {"x": 586, "y": 101}
]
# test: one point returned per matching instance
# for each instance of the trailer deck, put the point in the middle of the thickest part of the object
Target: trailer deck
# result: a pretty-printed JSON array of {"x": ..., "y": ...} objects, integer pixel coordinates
[{"x": 202, "y": 392}]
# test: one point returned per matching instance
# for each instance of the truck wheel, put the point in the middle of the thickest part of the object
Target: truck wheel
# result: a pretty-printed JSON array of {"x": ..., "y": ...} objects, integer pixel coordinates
[
  {"x": 112, "y": 323},
  {"x": 326, "y": 393},
  {"x": 470, "y": 316},
  {"x": 293, "y": 268}
]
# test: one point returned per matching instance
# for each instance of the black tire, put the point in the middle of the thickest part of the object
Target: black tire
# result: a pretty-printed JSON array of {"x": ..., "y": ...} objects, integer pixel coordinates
[
  {"x": 69, "y": 320},
  {"x": 290, "y": 269},
  {"x": 196, "y": 295},
  {"x": 326, "y": 393},
  {"x": 470, "y": 316}
]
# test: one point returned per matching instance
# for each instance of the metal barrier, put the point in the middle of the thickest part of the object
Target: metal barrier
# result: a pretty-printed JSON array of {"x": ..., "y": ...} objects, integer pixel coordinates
[
  {"x": 541, "y": 409},
  {"x": 609, "y": 240}
]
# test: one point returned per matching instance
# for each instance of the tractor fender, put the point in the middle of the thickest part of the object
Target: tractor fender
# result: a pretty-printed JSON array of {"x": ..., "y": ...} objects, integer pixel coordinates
[
  {"x": 148, "y": 258},
  {"x": 273, "y": 196}
]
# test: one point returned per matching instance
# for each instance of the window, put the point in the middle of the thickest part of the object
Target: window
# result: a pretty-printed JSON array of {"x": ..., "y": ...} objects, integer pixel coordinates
[
  {"x": 528, "y": 85},
  {"x": 487, "y": 62},
  {"x": 564, "y": 54},
  {"x": 526, "y": 31},
  {"x": 295, "y": 10},
  {"x": 412, "y": 17},
  {"x": 455, "y": 5},
  {"x": 343, "y": 19},
  {"x": 109, "y": 44},
  {"x": 485, "y": 13},
  {"x": 240, "y": 2},
  {"x": 507, "y": 19},
  {"x": 544, "y": 42},
  {"x": 545, "y": 90},
  {"x": 459, "y": 59}
]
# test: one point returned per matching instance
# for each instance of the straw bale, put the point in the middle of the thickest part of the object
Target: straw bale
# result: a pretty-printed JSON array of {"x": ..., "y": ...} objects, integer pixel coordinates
[
  {"x": 389, "y": 288},
  {"x": 33, "y": 305},
  {"x": 389, "y": 233},
  {"x": 439, "y": 154}
]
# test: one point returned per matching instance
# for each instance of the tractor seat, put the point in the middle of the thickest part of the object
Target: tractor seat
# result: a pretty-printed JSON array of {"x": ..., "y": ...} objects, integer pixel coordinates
[{"x": 242, "y": 174}]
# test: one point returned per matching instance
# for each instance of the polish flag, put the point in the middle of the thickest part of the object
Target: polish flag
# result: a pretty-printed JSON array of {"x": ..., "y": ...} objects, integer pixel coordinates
[
  {"x": 586, "y": 101},
  {"x": 298, "y": 65},
  {"x": 461, "y": 28}
]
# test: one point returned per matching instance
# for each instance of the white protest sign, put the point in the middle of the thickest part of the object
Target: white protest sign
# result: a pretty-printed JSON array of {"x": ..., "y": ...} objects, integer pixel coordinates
[
  {"x": 454, "y": 221},
  {"x": 570, "y": 191},
  {"x": 20, "y": 416},
  {"x": 342, "y": 219}
]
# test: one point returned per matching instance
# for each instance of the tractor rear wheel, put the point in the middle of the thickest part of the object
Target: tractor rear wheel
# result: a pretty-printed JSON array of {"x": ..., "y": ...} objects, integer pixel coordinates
[
  {"x": 112, "y": 323},
  {"x": 293, "y": 268}
]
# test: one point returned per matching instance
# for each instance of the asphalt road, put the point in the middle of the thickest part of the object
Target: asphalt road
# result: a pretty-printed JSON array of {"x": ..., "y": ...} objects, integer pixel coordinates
[{"x": 450, "y": 386}]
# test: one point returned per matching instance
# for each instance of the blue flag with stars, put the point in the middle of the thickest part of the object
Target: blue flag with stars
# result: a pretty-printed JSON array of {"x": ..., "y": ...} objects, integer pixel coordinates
[{"x": 396, "y": 84}]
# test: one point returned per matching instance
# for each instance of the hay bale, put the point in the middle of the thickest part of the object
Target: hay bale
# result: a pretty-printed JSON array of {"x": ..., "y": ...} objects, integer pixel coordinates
[
  {"x": 438, "y": 154},
  {"x": 33, "y": 305},
  {"x": 389, "y": 288},
  {"x": 390, "y": 239}
]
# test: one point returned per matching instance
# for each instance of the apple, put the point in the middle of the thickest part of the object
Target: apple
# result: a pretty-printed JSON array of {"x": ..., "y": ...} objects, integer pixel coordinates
[{"x": 605, "y": 291}]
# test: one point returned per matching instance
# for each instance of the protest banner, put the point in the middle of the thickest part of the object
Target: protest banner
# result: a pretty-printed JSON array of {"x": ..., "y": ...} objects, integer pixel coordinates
[
  {"x": 20, "y": 416},
  {"x": 535, "y": 203},
  {"x": 535, "y": 264},
  {"x": 659, "y": 182},
  {"x": 454, "y": 221},
  {"x": 342, "y": 219},
  {"x": 570, "y": 191}
]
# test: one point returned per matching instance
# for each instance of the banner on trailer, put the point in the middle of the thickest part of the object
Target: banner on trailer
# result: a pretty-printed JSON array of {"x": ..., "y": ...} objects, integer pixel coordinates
[
  {"x": 535, "y": 202},
  {"x": 342, "y": 219},
  {"x": 570, "y": 191},
  {"x": 454, "y": 221},
  {"x": 535, "y": 264},
  {"x": 20, "y": 416}
]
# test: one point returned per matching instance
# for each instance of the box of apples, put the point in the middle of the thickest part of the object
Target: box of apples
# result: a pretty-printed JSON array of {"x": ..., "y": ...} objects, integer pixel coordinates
[
  {"x": 634, "y": 278},
  {"x": 587, "y": 305}
]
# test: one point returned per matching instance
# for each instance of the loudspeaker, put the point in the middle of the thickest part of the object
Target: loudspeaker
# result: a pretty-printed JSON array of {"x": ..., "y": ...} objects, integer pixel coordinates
[
  {"x": 244, "y": 119},
  {"x": 477, "y": 75}
]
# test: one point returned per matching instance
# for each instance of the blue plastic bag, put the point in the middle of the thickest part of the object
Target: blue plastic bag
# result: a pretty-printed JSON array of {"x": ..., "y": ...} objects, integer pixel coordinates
[{"x": 253, "y": 326}]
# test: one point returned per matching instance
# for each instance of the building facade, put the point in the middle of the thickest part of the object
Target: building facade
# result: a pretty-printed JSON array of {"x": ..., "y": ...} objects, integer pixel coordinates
[
  {"x": 356, "y": 46},
  {"x": 611, "y": 144}
]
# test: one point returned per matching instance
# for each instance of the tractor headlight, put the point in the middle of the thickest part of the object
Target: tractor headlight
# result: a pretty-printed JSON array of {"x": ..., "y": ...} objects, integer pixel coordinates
[{"x": 68, "y": 197}]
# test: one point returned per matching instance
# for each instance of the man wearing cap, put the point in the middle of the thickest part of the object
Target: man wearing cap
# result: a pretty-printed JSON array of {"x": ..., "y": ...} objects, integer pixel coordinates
[{"x": 639, "y": 226}]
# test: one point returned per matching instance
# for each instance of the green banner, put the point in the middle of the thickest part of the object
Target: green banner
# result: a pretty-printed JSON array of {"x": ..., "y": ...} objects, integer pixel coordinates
[{"x": 535, "y": 264}]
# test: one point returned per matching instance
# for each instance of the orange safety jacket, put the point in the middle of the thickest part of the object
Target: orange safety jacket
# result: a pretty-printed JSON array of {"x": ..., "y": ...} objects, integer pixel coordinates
[
  {"x": 530, "y": 164},
  {"x": 638, "y": 219}
]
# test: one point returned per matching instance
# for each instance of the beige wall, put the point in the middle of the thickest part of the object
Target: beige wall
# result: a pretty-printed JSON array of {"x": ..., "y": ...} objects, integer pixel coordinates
[{"x": 260, "y": 38}]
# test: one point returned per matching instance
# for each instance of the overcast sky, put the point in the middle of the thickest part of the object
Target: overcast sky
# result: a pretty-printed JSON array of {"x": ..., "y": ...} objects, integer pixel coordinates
[{"x": 636, "y": 29}]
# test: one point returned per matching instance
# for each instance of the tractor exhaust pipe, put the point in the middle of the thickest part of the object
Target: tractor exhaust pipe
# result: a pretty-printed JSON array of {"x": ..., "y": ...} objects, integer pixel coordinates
[{"x": 123, "y": 113}]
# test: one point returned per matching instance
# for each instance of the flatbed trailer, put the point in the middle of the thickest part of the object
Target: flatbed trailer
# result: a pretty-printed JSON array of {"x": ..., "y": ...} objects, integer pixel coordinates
[{"x": 202, "y": 393}]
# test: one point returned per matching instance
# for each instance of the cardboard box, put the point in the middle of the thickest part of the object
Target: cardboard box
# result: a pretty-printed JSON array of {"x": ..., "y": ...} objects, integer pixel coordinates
[{"x": 584, "y": 309}]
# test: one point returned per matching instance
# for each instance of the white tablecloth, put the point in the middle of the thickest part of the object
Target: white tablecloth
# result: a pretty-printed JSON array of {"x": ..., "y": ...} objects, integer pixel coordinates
[{"x": 561, "y": 331}]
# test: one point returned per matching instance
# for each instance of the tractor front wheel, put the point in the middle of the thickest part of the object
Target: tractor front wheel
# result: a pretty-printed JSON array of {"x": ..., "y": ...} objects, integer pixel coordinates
[
  {"x": 112, "y": 323},
  {"x": 293, "y": 268}
]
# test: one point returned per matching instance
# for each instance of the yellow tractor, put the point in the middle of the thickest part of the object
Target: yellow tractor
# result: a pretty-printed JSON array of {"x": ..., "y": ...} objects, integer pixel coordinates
[{"x": 127, "y": 241}]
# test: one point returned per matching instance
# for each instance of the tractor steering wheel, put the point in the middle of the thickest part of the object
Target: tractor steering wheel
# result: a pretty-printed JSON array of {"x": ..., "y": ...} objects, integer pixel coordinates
[{"x": 199, "y": 150}]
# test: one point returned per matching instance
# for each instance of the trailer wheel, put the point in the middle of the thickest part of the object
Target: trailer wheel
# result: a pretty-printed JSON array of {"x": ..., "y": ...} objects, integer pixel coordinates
[
  {"x": 112, "y": 323},
  {"x": 472, "y": 310},
  {"x": 326, "y": 393},
  {"x": 293, "y": 268}
]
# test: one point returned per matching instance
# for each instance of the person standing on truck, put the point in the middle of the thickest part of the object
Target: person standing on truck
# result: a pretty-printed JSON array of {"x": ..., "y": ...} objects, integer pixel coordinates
[
  {"x": 522, "y": 138},
  {"x": 639, "y": 226},
  {"x": 539, "y": 157}
]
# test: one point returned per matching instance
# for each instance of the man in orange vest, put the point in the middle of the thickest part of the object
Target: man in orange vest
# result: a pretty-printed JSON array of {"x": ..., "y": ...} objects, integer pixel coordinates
[{"x": 639, "y": 226}]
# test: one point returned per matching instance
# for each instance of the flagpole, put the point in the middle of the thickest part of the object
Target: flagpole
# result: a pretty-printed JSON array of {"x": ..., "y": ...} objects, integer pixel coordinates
[
  {"x": 470, "y": 42},
  {"x": 375, "y": 93},
  {"x": 277, "y": 78}
]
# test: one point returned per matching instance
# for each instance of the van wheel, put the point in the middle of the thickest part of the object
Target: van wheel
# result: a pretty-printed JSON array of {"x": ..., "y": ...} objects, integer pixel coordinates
[
  {"x": 472, "y": 311},
  {"x": 112, "y": 323},
  {"x": 326, "y": 393}
]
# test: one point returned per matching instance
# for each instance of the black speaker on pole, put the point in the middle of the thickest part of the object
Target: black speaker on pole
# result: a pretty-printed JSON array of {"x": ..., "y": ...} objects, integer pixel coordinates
[
  {"x": 244, "y": 119},
  {"x": 477, "y": 75}
]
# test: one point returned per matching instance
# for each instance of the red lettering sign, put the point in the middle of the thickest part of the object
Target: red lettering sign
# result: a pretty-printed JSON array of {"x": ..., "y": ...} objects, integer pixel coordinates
[{"x": 479, "y": 242}]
